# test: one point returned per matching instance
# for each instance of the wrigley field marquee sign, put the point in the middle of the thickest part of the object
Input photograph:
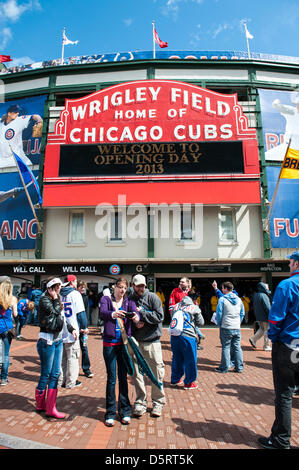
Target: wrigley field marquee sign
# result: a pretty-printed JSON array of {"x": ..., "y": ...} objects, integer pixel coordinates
[{"x": 150, "y": 128}]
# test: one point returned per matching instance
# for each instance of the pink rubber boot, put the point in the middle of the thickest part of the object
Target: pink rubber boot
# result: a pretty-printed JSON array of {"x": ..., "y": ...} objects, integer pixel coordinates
[
  {"x": 51, "y": 404},
  {"x": 40, "y": 397}
]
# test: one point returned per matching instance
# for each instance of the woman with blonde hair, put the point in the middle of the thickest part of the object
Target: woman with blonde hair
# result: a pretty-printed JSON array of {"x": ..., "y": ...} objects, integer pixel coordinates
[{"x": 6, "y": 324}]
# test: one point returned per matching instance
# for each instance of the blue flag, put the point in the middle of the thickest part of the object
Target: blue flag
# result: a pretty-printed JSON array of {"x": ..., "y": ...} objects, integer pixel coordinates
[{"x": 28, "y": 176}]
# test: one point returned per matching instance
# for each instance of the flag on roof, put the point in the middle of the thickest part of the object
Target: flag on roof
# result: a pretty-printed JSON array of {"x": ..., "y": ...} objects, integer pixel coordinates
[
  {"x": 158, "y": 40},
  {"x": 248, "y": 35},
  {"x": 66, "y": 41},
  {"x": 5, "y": 58}
]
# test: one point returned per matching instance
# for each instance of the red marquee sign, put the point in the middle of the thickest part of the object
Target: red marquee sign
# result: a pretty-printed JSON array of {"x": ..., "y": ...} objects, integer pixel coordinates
[
  {"x": 151, "y": 111},
  {"x": 160, "y": 124}
]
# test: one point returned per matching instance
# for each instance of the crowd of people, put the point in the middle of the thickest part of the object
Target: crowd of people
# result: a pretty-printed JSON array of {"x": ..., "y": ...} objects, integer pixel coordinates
[{"x": 132, "y": 319}]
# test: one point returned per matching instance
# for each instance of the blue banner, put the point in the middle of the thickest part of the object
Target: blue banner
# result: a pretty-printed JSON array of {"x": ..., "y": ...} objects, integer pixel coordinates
[
  {"x": 280, "y": 120},
  {"x": 17, "y": 224},
  {"x": 21, "y": 130},
  {"x": 284, "y": 219}
]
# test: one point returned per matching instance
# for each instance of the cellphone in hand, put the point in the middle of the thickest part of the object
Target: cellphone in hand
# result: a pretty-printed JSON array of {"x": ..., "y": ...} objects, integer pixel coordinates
[{"x": 130, "y": 315}]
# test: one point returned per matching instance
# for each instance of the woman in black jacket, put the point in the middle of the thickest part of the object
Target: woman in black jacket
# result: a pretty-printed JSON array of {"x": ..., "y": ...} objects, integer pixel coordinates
[{"x": 50, "y": 347}]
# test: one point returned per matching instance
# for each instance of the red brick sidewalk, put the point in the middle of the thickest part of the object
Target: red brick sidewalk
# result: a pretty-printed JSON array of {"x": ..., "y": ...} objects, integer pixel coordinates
[{"x": 227, "y": 411}]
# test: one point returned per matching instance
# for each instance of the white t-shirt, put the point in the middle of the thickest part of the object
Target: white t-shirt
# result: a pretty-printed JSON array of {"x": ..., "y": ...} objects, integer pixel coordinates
[
  {"x": 73, "y": 304},
  {"x": 11, "y": 134}
]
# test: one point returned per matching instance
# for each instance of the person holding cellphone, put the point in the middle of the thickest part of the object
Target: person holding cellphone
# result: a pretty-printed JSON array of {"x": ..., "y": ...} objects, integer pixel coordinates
[{"x": 118, "y": 306}]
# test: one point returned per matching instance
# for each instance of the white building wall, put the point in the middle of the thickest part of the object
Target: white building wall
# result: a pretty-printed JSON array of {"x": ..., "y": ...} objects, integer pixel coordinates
[
  {"x": 248, "y": 245},
  {"x": 57, "y": 246}
]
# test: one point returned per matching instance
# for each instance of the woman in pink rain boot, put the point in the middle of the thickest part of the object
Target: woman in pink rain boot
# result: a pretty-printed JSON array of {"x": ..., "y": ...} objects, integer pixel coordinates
[{"x": 53, "y": 328}]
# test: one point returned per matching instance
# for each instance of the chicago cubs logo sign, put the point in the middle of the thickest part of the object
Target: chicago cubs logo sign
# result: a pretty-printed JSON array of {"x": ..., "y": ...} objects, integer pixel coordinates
[
  {"x": 9, "y": 134},
  {"x": 114, "y": 269}
]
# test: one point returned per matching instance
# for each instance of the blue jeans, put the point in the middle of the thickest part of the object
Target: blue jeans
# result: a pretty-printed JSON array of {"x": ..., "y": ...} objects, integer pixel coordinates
[
  {"x": 184, "y": 359},
  {"x": 50, "y": 359},
  {"x": 113, "y": 356},
  {"x": 231, "y": 347},
  {"x": 85, "y": 357},
  {"x": 7, "y": 342},
  {"x": 20, "y": 322}
]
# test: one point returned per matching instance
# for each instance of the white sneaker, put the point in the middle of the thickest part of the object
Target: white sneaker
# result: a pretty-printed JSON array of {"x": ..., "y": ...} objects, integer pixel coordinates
[
  {"x": 267, "y": 348},
  {"x": 126, "y": 420},
  {"x": 139, "y": 410},
  {"x": 157, "y": 410},
  {"x": 109, "y": 422}
]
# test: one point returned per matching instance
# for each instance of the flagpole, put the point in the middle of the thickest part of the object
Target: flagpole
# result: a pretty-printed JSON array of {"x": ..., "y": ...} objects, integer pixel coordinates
[
  {"x": 154, "y": 42},
  {"x": 62, "y": 50},
  {"x": 39, "y": 229},
  {"x": 247, "y": 42},
  {"x": 275, "y": 190}
]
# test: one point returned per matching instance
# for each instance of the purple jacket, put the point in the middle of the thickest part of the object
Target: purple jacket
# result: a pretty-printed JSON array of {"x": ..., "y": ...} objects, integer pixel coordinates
[{"x": 106, "y": 309}]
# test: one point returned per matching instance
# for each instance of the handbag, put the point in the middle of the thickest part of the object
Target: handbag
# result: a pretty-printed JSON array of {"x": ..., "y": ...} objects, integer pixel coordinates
[{"x": 12, "y": 332}]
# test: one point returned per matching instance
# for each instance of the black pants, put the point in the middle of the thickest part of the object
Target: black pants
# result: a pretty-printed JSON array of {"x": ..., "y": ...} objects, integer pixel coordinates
[{"x": 285, "y": 367}]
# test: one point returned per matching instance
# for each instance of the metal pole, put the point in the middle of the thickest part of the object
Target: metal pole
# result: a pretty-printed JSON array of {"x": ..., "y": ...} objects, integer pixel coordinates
[
  {"x": 62, "y": 50},
  {"x": 154, "y": 42},
  {"x": 27, "y": 193}
]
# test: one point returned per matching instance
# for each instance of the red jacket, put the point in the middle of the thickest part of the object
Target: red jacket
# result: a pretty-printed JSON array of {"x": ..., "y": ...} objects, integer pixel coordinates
[{"x": 176, "y": 296}]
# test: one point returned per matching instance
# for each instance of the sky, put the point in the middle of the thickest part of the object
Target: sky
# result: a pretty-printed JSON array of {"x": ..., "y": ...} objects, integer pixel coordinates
[{"x": 31, "y": 30}]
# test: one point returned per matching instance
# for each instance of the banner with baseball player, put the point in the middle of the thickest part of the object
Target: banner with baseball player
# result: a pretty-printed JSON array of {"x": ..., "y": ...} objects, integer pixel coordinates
[
  {"x": 280, "y": 120},
  {"x": 21, "y": 125},
  {"x": 18, "y": 226}
]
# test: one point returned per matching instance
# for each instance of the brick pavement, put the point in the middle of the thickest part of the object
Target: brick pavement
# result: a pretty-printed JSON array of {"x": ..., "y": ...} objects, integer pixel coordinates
[{"x": 227, "y": 411}]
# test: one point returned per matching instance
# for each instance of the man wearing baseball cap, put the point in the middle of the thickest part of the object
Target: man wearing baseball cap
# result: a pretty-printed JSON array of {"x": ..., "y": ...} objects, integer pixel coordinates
[
  {"x": 284, "y": 334},
  {"x": 75, "y": 315},
  {"x": 147, "y": 334}
]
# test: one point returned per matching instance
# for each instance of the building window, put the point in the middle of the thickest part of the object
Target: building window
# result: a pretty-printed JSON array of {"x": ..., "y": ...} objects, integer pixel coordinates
[
  {"x": 76, "y": 235},
  {"x": 186, "y": 225},
  {"x": 227, "y": 226},
  {"x": 116, "y": 227}
]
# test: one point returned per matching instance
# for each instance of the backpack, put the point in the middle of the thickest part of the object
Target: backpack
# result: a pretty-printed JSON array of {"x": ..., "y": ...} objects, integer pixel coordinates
[{"x": 177, "y": 323}]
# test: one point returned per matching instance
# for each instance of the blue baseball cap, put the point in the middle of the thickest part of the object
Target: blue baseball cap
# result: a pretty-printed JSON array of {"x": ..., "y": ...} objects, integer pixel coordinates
[
  {"x": 14, "y": 108},
  {"x": 294, "y": 256}
]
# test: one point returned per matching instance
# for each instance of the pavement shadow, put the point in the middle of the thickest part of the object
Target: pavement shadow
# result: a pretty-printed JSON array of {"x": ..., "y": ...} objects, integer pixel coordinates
[
  {"x": 23, "y": 376},
  {"x": 247, "y": 393},
  {"x": 77, "y": 405},
  {"x": 73, "y": 405},
  {"x": 25, "y": 359},
  {"x": 260, "y": 365},
  {"x": 11, "y": 401},
  {"x": 217, "y": 431}
]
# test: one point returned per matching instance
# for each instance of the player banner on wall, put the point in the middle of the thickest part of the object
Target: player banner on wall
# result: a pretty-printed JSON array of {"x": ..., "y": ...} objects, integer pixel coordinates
[
  {"x": 284, "y": 220},
  {"x": 280, "y": 119},
  {"x": 17, "y": 223},
  {"x": 21, "y": 125}
]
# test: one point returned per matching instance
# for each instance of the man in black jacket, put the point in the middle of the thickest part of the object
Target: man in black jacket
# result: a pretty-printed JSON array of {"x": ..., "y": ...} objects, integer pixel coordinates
[
  {"x": 147, "y": 334},
  {"x": 261, "y": 308}
]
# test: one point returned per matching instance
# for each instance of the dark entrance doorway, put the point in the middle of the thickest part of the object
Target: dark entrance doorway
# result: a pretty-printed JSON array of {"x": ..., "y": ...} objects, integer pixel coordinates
[{"x": 205, "y": 290}]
